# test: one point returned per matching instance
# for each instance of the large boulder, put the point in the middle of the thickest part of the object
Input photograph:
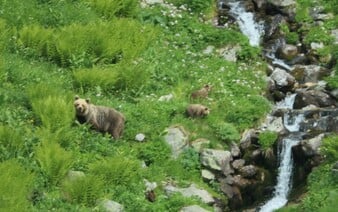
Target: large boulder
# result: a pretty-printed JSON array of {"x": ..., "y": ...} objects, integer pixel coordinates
[
  {"x": 217, "y": 160},
  {"x": 177, "y": 138},
  {"x": 312, "y": 97}
]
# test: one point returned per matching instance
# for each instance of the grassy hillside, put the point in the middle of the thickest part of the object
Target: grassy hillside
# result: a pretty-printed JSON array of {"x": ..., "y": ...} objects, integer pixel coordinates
[{"x": 123, "y": 56}]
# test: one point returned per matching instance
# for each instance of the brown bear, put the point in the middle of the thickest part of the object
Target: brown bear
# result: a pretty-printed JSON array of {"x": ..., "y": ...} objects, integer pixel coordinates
[
  {"x": 197, "y": 110},
  {"x": 201, "y": 93},
  {"x": 102, "y": 119}
]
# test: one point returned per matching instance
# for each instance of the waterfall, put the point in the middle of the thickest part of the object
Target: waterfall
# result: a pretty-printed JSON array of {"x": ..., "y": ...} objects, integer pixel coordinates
[
  {"x": 284, "y": 177},
  {"x": 292, "y": 121},
  {"x": 246, "y": 23},
  {"x": 287, "y": 102}
]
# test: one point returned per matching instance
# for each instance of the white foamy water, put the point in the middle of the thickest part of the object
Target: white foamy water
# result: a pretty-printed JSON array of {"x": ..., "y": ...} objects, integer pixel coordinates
[
  {"x": 287, "y": 102},
  {"x": 278, "y": 62},
  {"x": 292, "y": 123},
  {"x": 246, "y": 23},
  {"x": 284, "y": 177}
]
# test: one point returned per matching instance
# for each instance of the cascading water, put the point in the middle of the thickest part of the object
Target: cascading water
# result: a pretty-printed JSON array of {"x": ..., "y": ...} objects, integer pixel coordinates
[
  {"x": 247, "y": 23},
  {"x": 254, "y": 31},
  {"x": 284, "y": 177}
]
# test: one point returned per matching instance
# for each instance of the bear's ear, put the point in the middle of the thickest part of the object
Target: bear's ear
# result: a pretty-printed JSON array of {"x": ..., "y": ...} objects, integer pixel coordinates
[
  {"x": 77, "y": 97},
  {"x": 87, "y": 100}
]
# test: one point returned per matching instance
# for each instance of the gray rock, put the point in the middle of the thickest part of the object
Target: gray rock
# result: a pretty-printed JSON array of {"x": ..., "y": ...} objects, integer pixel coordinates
[
  {"x": 207, "y": 175},
  {"x": 215, "y": 159},
  {"x": 177, "y": 138},
  {"x": 190, "y": 192},
  {"x": 248, "y": 171},
  {"x": 238, "y": 164},
  {"x": 193, "y": 208},
  {"x": 282, "y": 78},
  {"x": 140, "y": 137},
  {"x": 111, "y": 206}
]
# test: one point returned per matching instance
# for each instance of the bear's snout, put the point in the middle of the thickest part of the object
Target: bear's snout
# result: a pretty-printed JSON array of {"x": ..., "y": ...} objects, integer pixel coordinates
[{"x": 79, "y": 108}]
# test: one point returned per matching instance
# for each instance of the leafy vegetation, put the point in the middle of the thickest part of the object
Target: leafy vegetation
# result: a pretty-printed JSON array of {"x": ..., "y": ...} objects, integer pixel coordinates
[
  {"x": 267, "y": 138},
  {"x": 125, "y": 57}
]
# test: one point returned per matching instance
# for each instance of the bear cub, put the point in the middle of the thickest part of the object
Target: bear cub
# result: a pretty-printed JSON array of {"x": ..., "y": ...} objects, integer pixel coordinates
[
  {"x": 102, "y": 119},
  {"x": 197, "y": 110},
  {"x": 201, "y": 93}
]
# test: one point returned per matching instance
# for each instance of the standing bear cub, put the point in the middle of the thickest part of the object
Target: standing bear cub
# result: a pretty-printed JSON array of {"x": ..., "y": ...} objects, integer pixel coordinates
[
  {"x": 197, "y": 110},
  {"x": 102, "y": 119}
]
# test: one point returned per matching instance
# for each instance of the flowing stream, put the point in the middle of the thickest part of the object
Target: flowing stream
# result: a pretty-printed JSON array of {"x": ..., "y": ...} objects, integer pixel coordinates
[
  {"x": 247, "y": 23},
  {"x": 253, "y": 31}
]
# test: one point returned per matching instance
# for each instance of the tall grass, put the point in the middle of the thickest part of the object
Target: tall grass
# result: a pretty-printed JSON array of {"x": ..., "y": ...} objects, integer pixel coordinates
[{"x": 15, "y": 186}]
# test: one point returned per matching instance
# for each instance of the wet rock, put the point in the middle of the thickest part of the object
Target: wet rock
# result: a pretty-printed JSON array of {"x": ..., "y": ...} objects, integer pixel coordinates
[
  {"x": 234, "y": 195},
  {"x": 286, "y": 7},
  {"x": 282, "y": 78},
  {"x": 247, "y": 137},
  {"x": 334, "y": 93},
  {"x": 309, "y": 73},
  {"x": 238, "y": 164},
  {"x": 241, "y": 182},
  {"x": 288, "y": 52},
  {"x": 248, "y": 171},
  {"x": 313, "y": 97},
  {"x": 273, "y": 124}
]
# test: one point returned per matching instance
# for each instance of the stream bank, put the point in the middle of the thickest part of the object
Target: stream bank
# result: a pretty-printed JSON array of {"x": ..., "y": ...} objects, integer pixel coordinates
[{"x": 305, "y": 106}]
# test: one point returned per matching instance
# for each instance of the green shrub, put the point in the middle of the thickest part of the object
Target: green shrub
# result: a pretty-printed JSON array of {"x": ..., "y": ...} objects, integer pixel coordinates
[
  {"x": 154, "y": 152},
  {"x": 86, "y": 190},
  {"x": 105, "y": 78},
  {"x": 54, "y": 112},
  {"x": 226, "y": 131},
  {"x": 54, "y": 161},
  {"x": 245, "y": 111},
  {"x": 11, "y": 142},
  {"x": 15, "y": 186},
  {"x": 267, "y": 138},
  {"x": 190, "y": 160},
  {"x": 115, "y": 8},
  {"x": 36, "y": 39},
  {"x": 330, "y": 148},
  {"x": 117, "y": 171},
  {"x": 196, "y": 6},
  {"x": 79, "y": 45},
  {"x": 318, "y": 34},
  {"x": 322, "y": 187}
]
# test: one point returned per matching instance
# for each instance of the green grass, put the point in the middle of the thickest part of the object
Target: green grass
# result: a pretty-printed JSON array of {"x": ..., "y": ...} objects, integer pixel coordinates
[{"x": 124, "y": 58}]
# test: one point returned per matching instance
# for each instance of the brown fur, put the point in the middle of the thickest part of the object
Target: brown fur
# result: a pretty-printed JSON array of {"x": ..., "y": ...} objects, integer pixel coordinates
[
  {"x": 197, "y": 110},
  {"x": 102, "y": 119},
  {"x": 201, "y": 93}
]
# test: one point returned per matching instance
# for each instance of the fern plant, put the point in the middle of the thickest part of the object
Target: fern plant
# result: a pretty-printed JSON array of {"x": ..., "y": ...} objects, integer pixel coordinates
[
  {"x": 117, "y": 170},
  {"x": 35, "y": 38},
  {"x": 105, "y": 78},
  {"x": 115, "y": 8},
  {"x": 11, "y": 142},
  {"x": 83, "y": 190},
  {"x": 15, "y": 186},
  {"x": 54, "y": 161}
]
